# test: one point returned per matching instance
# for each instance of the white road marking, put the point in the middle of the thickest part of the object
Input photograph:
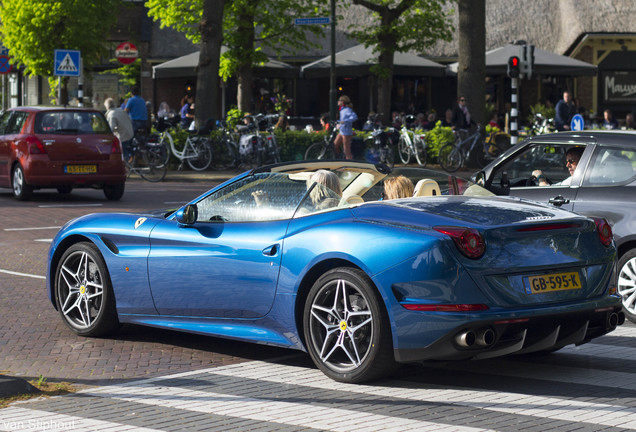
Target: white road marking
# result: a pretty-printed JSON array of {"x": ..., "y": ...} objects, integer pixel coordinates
[
  {"x": 68, "y": 205},
  {"x": 22, "y": 274},
  {"x": 32, "y": 228}
]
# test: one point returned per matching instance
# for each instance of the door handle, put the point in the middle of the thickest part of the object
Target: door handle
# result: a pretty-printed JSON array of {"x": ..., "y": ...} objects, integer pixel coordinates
[
  {"x": 558, "y": 201},
  {"x": 271, "y": 250}
]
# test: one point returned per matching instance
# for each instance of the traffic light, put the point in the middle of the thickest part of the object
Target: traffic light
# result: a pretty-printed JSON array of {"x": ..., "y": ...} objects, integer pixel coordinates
[
  {"x": 527, "y": 60},
  {"x": 513, "y": 67}
]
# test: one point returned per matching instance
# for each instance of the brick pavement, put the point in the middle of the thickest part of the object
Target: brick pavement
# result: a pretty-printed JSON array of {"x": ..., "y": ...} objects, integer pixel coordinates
[{"x": 587, "y": 389}]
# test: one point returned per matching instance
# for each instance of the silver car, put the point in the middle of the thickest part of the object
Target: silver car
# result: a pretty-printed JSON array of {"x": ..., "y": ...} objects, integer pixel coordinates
[{"x": 601, "y": 183}]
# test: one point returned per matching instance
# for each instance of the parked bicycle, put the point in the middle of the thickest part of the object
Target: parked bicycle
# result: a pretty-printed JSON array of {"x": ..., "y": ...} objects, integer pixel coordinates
[
  {"x": 453, "y": 156},
  {"x": 412, "y": 144},
  {"x": 227, "y": 141},
  {"x": 163, "y": 126},
  {"x": 148, "y": 158},
  {"x": 325, "y": 149},
  {"x": 381, "y": 142},
  {"x": 254, "y": 148},
  {"x": 541, "y": 125},
  {"x": 196, "y": 151}
]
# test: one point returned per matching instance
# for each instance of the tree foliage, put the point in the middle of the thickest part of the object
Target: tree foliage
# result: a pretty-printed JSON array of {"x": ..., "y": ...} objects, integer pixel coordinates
[
  {"x": 33, "y": 29},
  {"x": 250, "y": 28},
  {"x": 400, "y": 26}
]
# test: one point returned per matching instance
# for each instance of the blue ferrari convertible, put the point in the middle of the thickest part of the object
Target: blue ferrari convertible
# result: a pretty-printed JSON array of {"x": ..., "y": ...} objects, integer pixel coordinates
[{"x": 362, "y": 283}]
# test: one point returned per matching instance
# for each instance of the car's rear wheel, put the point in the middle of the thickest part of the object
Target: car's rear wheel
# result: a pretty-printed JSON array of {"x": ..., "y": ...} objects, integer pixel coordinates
[
  {"x": 114, "y": 192},
  {"x": 627, "y": 283},
  {"x": 346, "y": 327},
  {"x": 21, "y": 189},
  {"x": 84, "y": 293}
]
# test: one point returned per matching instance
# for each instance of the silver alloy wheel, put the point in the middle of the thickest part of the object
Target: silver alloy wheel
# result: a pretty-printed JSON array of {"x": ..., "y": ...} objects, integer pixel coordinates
[
  {"x": 627, "y": 285},
  {"x": 18, "y": 181},
  {"x": 80, "y": 290},
  {"x": 341, "y": 326}
]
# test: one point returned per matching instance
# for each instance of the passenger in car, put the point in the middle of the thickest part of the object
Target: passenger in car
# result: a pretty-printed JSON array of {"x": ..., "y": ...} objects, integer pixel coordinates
[
  {"x": 322, "y": 195},
  {"x": 572, "y": 158},
  {"x": 398, "y": 187}
]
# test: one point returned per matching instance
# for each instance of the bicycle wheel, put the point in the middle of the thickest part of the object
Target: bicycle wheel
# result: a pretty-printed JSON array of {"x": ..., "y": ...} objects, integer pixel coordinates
[
  {"x": 318, "y": 151},
  {"x": 404, "y": 150},
  {"x": 152, "y": 166},
  {"x": 165, "y": 140},
  {"x": 450, "y": 157},
  {"x": 420, "y": 150},
  {"x": 198, "y": 154}
]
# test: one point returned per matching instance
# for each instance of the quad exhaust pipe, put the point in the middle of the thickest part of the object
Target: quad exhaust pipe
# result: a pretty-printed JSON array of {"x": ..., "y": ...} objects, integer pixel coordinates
[{"x": 482, "y": 338}]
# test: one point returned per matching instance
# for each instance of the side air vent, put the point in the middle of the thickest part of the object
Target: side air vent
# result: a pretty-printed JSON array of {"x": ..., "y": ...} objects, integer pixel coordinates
[{"x": 110, "y": 245}]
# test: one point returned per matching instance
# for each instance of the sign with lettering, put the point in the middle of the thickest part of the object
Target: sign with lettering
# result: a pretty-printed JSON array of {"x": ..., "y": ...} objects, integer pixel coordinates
[{"x": 618, "y": 86}]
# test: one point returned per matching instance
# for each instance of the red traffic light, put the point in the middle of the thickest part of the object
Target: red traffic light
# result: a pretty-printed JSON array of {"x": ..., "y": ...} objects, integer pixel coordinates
[{"x": 513, "y": 67}]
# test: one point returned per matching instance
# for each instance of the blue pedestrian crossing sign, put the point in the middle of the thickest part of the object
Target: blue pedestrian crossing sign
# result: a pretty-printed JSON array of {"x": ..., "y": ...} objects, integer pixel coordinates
[
  {"x": 577, "y": 123},
  {"x": 67, "y": 63}
]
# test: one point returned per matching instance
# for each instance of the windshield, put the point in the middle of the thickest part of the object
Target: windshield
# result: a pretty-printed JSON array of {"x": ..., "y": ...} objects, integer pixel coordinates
[
  {"x": 71, "y": 122},
  {"x": 268, "y": 196}
]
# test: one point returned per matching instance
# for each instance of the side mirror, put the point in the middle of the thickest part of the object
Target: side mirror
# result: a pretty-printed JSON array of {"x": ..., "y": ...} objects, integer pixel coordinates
[{"x": 187, "y": 215}]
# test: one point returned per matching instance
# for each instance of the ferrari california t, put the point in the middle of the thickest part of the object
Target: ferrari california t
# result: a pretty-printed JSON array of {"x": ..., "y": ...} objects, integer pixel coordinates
[{"x": 278, "y": 256}]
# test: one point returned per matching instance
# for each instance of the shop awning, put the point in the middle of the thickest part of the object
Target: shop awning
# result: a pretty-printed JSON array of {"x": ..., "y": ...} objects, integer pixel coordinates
[
  {"x": 186, "y": 66},
  {"x": 357, "y": 61},
  {"x": 545, "y": 62}
]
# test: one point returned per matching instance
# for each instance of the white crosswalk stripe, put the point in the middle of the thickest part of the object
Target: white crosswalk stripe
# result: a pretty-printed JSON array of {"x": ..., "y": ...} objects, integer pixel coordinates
[{"x": 277, "y": 394}]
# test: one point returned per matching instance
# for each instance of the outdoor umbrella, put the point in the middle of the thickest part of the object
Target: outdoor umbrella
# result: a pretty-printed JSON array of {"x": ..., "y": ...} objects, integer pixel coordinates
[
  {"x": 357, "y": 61},
  {"x": 185, "y": 66},
  {"x": 545, "y": 62}
]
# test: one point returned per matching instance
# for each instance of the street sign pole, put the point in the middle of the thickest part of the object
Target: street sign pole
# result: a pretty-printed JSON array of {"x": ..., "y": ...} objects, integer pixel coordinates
[{"x": 332, "y": 89}]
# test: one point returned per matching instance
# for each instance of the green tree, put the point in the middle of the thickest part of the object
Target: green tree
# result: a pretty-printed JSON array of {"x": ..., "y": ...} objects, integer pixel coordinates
[
  {"x": 400, "y": 26},
  {"x": 471, "y": 70},
  {"x": 201, "y": 21},
  {"x": 250, "y": 27},
  {"x": 33, "y": 29}
]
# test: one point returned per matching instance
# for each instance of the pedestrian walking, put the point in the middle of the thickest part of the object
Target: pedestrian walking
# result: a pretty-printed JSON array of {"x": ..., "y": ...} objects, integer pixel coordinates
[{"x": 345, "y": 126}]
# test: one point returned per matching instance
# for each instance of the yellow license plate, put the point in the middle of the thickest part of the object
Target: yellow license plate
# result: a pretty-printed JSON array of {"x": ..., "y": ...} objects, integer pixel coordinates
[
  {"x": 80, "y": 169},
  {"x": 552, "y": 282}
]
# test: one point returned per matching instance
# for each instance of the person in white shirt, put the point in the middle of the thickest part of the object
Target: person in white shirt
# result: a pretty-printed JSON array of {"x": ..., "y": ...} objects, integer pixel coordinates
[{"x": 121, "y": 125}]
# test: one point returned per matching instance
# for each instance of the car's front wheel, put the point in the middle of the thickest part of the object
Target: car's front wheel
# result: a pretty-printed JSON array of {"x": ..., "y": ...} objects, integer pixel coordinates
[
  {"x": 627, "y": 283},
  {"x": 346, "y": 327},
  {"x": 83, "y": 291}
]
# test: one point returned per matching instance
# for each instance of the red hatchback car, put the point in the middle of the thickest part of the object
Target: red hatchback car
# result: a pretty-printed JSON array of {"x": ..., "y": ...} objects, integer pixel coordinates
[{"x": 59, "y": 147}]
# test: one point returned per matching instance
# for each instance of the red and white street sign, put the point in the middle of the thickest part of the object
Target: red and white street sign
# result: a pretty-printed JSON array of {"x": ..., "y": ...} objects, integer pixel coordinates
[{"x": 126, "y": 53}]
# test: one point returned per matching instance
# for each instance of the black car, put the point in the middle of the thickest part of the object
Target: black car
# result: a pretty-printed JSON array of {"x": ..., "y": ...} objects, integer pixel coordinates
[{"x": 603, "y": 184}]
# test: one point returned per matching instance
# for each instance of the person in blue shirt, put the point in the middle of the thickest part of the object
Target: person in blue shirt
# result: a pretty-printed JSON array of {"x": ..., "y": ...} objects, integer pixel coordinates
[
  {"x": 187, "y": 111},
  {"x": 609, "y": 122},
  {"x": 345, "y": 125},
  {"x": 136, "y": 109}
]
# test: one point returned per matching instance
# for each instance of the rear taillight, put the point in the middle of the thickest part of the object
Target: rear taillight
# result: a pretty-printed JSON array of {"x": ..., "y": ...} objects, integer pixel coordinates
[
  {"x": 116, "y": 146},
  {"x": 34, "y": 145},
  {"x": 604, "y": 231},
  {"x": 469, "y": 241}
]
